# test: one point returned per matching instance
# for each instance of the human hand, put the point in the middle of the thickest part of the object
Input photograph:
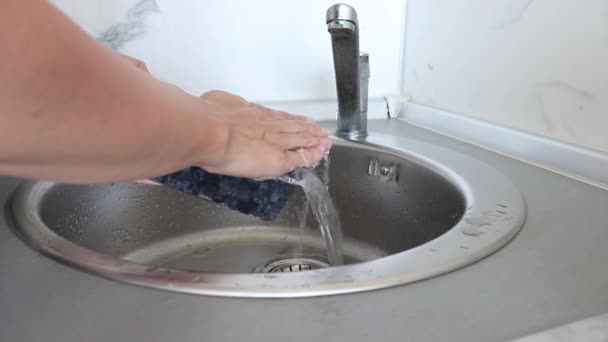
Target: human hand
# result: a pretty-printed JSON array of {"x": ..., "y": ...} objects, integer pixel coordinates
[
  {"x": 263, "y": 142},
  {"x": 139, "y": 64}
]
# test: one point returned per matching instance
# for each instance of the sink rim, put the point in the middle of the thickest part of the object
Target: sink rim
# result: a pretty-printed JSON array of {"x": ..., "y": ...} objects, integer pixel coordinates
[{"x": 448, "y": 252}]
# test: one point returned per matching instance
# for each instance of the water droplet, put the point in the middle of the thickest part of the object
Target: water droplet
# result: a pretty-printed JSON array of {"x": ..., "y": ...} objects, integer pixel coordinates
[
  {"x": 471, "y": 231},
  {"x": 479, "y": 221}
]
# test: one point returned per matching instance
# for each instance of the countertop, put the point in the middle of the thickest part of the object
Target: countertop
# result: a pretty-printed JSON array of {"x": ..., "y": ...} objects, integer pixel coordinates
[{"x": 554, "y": 272}]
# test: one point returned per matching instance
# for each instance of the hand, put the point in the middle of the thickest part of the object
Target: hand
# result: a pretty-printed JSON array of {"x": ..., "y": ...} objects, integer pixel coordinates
[
  {"x": 263, "y": 142},
  {"x": 139, "y": 64}
]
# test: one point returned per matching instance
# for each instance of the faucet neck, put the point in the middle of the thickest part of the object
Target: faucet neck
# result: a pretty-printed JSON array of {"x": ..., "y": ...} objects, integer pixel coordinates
[{"x": 343, "y": 27}]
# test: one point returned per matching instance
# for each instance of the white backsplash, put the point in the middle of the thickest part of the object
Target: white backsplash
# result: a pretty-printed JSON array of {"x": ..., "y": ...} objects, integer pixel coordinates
[
  {"x": 267, "y": 51},
  {"x": 539, "y": 66},
  {"x": 536, "y": 65}
]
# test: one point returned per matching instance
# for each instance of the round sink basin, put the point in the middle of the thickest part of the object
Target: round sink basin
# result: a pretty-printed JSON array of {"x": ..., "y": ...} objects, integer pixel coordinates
[{"x": 409, "y": 211}]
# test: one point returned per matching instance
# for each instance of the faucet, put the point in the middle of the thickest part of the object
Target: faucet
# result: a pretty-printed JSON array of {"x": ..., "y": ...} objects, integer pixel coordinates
[{"x": 352, "y": 71}]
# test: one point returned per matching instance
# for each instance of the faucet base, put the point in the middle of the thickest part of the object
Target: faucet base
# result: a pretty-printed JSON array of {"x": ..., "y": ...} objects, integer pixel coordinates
[{"x": 350, "y": 135}]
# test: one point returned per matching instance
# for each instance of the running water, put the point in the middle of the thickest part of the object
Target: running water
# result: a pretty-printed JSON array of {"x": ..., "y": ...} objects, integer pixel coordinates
[
  {"x": 299, "y": 250},
  {"x": 323, "y": 209}
]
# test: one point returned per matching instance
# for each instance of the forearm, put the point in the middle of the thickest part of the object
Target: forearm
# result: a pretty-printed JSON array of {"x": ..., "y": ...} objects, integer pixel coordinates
[{"x": 73, "y": 110}]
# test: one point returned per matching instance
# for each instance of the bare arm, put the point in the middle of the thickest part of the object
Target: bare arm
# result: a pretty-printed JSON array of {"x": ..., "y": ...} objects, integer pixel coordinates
[{"x": 73, "y": 110}]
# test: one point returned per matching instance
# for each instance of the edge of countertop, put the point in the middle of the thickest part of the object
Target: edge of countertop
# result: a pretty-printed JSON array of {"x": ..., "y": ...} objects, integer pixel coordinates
[{"x": 592, "y": 329}]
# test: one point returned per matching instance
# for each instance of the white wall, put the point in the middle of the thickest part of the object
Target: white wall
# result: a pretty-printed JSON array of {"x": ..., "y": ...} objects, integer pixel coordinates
[
  {"x": 269, "y": 50},
  {"x": 536, "y": 65}
]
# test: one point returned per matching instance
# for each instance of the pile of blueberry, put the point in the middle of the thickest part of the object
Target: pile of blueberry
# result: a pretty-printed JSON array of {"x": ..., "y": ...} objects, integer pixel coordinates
[{"x": 263, "y": 199}]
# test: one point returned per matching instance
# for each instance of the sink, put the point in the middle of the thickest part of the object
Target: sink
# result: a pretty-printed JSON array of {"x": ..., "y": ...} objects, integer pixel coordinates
[{"x": 409, "y": 211}]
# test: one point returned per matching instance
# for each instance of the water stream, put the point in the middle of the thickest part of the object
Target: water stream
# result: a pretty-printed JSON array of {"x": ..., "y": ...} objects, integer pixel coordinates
[{"x": 322, "y": 207}]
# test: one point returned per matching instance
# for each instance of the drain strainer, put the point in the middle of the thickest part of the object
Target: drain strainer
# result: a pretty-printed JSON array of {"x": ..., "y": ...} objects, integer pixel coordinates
[{"x": 294, "y": 265}]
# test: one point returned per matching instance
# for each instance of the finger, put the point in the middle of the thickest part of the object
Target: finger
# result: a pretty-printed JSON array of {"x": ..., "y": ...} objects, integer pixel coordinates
[
  {"x": 281, "y": 115},
  {"x": 296, "y": 126},
  {"x": 290, "y": 141},
  {"x": 136, "y": 62},
  {"x": 302, "y": 117},
  {"x": 304, "y": 157},
  {"x": 269, "y": 114},
  {"x": 225, "y": 98},
  {"x": 146, "y": 182},
  {"x": 317, "y": 130}
]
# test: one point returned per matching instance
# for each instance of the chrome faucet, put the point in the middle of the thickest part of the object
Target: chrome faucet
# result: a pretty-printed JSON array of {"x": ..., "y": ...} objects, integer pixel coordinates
[{"x": 352, "y": 71}]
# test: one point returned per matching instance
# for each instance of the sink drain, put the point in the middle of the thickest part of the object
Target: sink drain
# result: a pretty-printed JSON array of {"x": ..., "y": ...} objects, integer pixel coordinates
[{"x": 294, "y": 265}]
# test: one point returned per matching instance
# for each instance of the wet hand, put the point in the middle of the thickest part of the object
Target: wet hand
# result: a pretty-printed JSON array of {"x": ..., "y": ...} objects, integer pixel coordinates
[{"x": 262, "y": 142}]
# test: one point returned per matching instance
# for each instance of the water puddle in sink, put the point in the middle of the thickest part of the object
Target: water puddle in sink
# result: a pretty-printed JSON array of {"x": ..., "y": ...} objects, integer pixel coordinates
[{"x": 320, "y": 203}]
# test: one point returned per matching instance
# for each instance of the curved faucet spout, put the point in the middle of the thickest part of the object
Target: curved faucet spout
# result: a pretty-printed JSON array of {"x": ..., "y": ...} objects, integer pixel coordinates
[{"x": 342, "y": 25}]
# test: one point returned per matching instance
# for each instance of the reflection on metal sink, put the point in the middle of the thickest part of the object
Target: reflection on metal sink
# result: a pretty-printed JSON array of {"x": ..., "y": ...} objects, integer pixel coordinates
[{"x": 409, "y": 211}]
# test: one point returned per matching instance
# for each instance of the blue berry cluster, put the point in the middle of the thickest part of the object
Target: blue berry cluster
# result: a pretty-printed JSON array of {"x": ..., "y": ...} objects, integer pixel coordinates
[{"x": 263, "y": 199}]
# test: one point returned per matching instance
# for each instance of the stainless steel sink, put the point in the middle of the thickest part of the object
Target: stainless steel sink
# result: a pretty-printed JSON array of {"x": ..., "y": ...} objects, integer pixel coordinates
[{"x": 409, "y": 211}]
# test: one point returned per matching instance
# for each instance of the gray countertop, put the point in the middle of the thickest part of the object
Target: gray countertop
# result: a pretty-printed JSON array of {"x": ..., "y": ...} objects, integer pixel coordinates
[
  {"x": 593, "y": 329},
  {"x": 554, "y": 272}
]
